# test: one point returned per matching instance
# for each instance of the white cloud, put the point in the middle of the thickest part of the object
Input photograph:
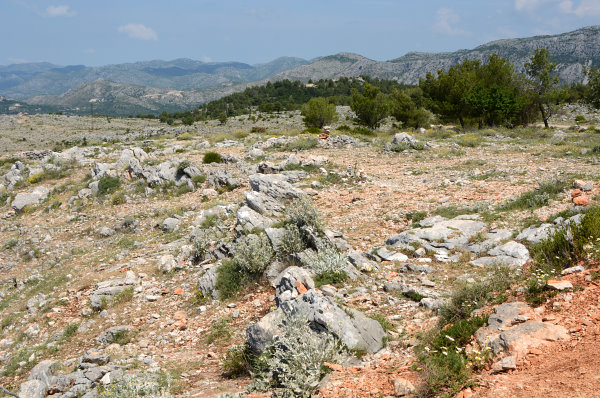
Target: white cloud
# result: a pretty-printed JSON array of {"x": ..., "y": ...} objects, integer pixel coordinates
[
  {"x": 585, "y": 8},
  {"x": 59, "y": 11},
  {"x": 445, "y": 21},
  {"x": 528, "y": 5},
  {"x": 138, "y": 31}
]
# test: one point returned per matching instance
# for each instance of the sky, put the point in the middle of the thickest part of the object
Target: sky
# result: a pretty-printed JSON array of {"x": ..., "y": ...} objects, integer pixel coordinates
[{"x": 100, "y": 32}]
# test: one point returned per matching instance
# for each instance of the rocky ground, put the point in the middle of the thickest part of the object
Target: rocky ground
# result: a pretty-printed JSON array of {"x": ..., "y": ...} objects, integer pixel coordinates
[{"x": 112, "y": 252}]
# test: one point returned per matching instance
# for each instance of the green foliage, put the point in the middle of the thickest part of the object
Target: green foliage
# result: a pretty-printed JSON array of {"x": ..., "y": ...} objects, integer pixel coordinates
[
  {"x": 383, "y": 321},
  {"x": 580, "y": 119},
  {"x": 185, "y": 136},
  {"x": 238, "y": 361},
  {"x": 541, "y": 71},
  {"x": 371, "y": 107},
  {"x": 122, "y": 337},
  {"x": 469, "y": 140},
  {"x": 470, "y": 297},
  {"x": 335, "y": 278},
  {"x": 539, "y": 197},
  {"x": 593, "y": 97},
  {"x": 303, "y": 213},
  {"x": 70, "y": 331},
  {"x": 253, "y": 254},
  {"x": 408, "y": 110},
  {"x": 328, "y": 265},
  {"x": 220, "y": 332},
  {"x": 301, "y": 144},
  {"x": 416, "y": 216},
  {"x": 197, "y": 180},
  {"x": 446, "y": 367},
  {"x": 108, "y": 185},
  {"x": 118, "y": 198},
  {"x": 292, "y": 241},
  {"x": 211, "y": 157},
  {"x": 229, "y": 280},
  {"x": 318, "y": 112},
  {"x": 564, "y": 249}
]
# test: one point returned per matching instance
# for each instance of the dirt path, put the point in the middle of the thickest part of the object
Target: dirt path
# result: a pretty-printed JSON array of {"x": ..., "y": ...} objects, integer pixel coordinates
[{"x": 570, "y": 369}]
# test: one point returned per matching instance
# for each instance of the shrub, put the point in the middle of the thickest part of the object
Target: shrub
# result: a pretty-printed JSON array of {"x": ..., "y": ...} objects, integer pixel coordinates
[
  {"x": 302, "y": 144},
  {"x": 469, "y": 141},
  {"x": 470, "y": 297},
  {"x": 220, "y": 332},
  {"x": 318, "y": 112},
  {"x": 108, "y": 185},
  {"x": 211, "y": 157},
  {"x": 539, "y": 197},
  {"x": 229, "y": 280},
  {"x": 580, "y": 119},
  {"x": 328, "y": 265},
  {"x": 134, "y": 386},
  {"x": 197, "y": 180},
  {"x": 256, "y": 129},
  {"x": 303, "y": 213},
  {"x": 238, "y": 361},
  {"x": 292, "y": 241},
  {"x": 185, "y": 136},
  {"x": 70, "y": 331},
  {"x": 294, "y": 360},
  {"x": 118, "y": 198},
  {"x": 416, "y": 216},
  {"x": 253, "y": 254}
]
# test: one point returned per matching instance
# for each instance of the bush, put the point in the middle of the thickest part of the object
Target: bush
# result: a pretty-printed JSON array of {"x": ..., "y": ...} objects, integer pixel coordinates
[
  {"x": 108, "y": 185},
  {"x": 211, "y": 157},
  {"x": 118, "y": 198},
  {"x": 318, "y": 112},
  {"x": 220, "y": 332},
  {"x": 253, "y": 254},
  {"x": 539, "y": 197},
  {"x": 197, "y": 180},
  {"x": 302, "y": 144},
  {"x": 303, "y": 213},
  {"x": 469, "y": 141},
  {"x": 185, "y": 136},
  {"x": 238, "y": 361},
  {"x": 580, "y": 119},
  {"x": 292, "y": 241},
  {"x": 229, "y": 280},
  {"x": 256, "y": 129},
  {"x": 328, "y": 265},
  {"x": 294, "y": 360},
  {"x": 134, "y": 386}
]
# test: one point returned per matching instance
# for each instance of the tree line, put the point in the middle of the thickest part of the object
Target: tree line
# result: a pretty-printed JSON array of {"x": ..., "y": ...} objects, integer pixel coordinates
[{"x": 471, "y": 93}]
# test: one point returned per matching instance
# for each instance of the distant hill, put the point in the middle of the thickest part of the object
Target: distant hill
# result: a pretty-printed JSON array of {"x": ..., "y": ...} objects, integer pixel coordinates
[
  {"x": 118, "y": 99},
  {"x": 180, "y": 84},
  {"x": 572, "y": 51},
  {"x": 23, "y": 81}
]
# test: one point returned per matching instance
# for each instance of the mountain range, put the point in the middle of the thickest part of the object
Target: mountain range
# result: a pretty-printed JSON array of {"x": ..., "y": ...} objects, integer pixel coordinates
[{"x": 153, "y": 86}]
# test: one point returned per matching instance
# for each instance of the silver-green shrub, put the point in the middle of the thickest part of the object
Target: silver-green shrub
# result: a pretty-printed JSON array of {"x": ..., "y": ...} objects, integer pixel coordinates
[
  {"x": 292, "y": 241},
  {"x": 253, "y": 253},
  {"x": 134, "y": 386},
  {"x": 294, "y": 360},
  {"x": 302, "y": 212},
  {"x": 327, "y": 260}
]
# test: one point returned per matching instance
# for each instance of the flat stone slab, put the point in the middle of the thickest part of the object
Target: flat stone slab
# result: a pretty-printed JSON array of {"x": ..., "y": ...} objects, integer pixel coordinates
[{"x": 559, "y": 285}]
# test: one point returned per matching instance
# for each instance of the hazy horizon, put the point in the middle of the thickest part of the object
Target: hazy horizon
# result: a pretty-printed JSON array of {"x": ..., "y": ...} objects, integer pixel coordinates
[{"x": 95, "y": 34}]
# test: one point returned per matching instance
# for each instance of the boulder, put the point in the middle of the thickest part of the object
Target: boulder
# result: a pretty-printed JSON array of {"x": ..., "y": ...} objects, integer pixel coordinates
[
  {"x": 32, "y": 198},
  {"x": 264, "y": 204},
  {"x": 109, "y": 335},
  {"x": 170, "y": 224},
  {"x": 291, "y": 283},
  {"x": 44, "y": 371},
  {"x": 249, "y": 219},
  {"x": 33, "y": 389},
  {"x": 404, "y": 139},
  {"x": 275, "y": 186}
]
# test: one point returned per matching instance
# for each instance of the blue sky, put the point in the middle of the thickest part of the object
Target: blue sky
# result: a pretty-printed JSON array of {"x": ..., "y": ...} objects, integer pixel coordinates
[{"x": 99, "y": 32}]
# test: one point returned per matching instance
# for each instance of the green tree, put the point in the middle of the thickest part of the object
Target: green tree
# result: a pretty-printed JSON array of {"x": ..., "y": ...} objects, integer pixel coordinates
[
  {"x": 371, "y": 107},
  {"x": 540, "y": 70},
  {"x": 405, "y": 110},
  {"x": 318, "y": 112},
  {"x": 593, "y": 95}
]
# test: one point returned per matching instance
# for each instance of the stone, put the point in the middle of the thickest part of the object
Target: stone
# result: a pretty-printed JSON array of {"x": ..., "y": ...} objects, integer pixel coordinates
[
  {"x": 388, "y": 255},
  {"x": 559, "y": 285},
  {"x": 402, "y": 387},
  {"x": 95, "y": 357},
  {"x": 44, "y": 371},
  {"x": 106, "y": 232},
  {"x": 170, "y": 224},
  {"x": 108, "y": 336},
  {"x": 208, "y": 281},
  {"x": 274, "y": 270},
  {"x": 275, "y": 186},
  {"x": 219, "y": 179},
  {"x": 511, "y": 254},
  {"x": 536, "y": 234},
  {"x": 350, "y": 326},
  {"x": 32, "y": 198},
  {"x": 264, "y": 204},
  {"x": 582, "y": 200},
  {"x": 406, "y": 139},
  {"x": 506, "y": 363},
  {"x": 291, "y": 283},
  {"x": 167, "y": 263},
  {"x": 249, "y": 219},
  {"x": 573, "y": 270},
  {"x": 33, "y": 389}
]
